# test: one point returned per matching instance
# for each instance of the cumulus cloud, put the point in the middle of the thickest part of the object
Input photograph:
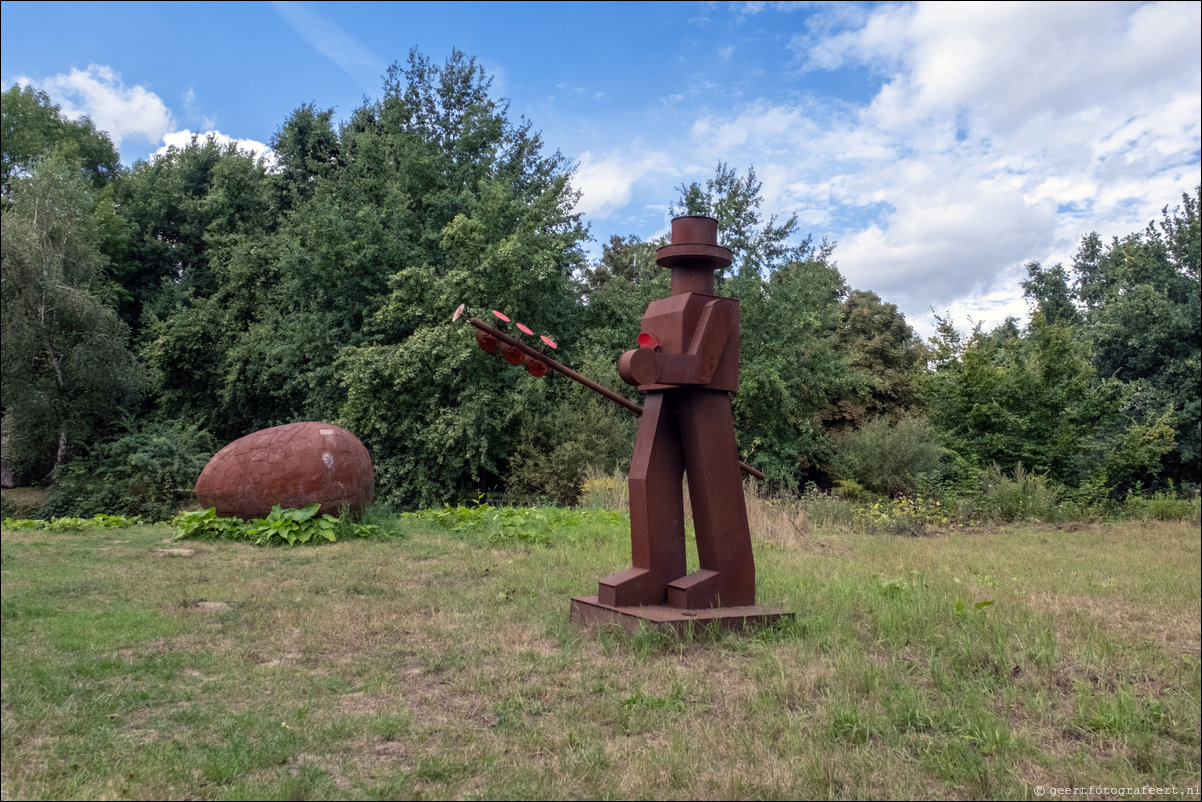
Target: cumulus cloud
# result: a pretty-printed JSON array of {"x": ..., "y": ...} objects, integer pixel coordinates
[
  {"x": 999, "y": 134},
  {"x": 605, "y": 181},
  {"x": 124, "y": 112},
  {"x": 132, "y": 113}
]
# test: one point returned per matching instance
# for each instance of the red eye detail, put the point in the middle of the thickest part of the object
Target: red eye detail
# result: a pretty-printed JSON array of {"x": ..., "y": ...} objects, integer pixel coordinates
[
  {"x": 513, "y": 356},
  {"x": 500, "y": 316},
  {"x": 522, "y": 327},
  {"x": 648, "y": 340},
  {"x": 537, "y": 369},
  {"x": 548, "y": 341}
]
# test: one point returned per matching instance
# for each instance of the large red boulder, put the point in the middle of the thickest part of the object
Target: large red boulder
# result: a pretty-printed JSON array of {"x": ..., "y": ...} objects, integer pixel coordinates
[{"x": 292, "y": 465}]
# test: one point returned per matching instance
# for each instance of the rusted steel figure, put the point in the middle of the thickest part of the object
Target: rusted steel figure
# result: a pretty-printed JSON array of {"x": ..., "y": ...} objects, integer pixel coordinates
[{"x": 688, "y": 363}]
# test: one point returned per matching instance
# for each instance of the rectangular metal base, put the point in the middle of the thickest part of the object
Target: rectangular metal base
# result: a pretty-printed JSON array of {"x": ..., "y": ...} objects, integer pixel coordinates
[{"x": 587, "y": 610}]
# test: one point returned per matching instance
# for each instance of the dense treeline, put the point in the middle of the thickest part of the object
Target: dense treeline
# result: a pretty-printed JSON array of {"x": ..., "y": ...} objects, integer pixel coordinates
[{"x": 152, "y": 313}]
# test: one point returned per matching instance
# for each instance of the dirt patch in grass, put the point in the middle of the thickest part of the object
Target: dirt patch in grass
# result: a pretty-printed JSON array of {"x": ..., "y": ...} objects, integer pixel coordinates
[{"x": 178, "y": 552}]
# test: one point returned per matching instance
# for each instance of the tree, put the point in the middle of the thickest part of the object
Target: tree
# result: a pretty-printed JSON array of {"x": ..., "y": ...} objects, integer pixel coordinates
[
  {"x": 306, "y": 149},
  {"x": 792, "y": 369},
  {"x": 187, "y": 211},
  {"x": 1143, "y": 322},
  {"x": 886, "y": 354},
  {"x": 1032, "y": 398},
  {"x": 67, "y": 371},
  {"x": 452, "y": 203},
  {"x": 195, "y": 266},
  {"x": 1048, "y": 291},
  {"x": 32, "y": 125}
]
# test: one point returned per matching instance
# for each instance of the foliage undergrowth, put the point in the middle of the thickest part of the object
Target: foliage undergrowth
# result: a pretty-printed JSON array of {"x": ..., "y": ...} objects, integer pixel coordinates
[
  {"x": 281, "y": 526},
  {"x": 148, "y": 472},
  {"x": 69, "y": 524},
  {"x": 537, "y": 525},
  {"x": 995, "y": 499}
]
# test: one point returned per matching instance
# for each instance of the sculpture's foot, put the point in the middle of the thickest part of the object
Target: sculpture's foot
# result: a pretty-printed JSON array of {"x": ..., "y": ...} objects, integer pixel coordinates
[
  {"x": 631, "y": 588},
  {"x": 696, "y": 591}
]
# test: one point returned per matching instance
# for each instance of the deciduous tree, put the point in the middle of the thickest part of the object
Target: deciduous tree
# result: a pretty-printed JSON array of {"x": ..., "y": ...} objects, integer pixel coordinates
[{"x": 67, "y": 371}]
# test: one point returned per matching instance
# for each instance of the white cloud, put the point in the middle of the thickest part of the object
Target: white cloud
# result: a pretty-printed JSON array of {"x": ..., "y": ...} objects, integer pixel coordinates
[
  {"x": 999, "y": 134},
  {"x": 132, "y": 113},
  {"x": 123, "y": 112},
  {"x": 606, "y": 182},
  {"x": 948, "y": 244}
]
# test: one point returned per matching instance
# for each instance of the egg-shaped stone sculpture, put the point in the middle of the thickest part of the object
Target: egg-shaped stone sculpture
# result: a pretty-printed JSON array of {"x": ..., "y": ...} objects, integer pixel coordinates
[{"x": 292, "y": 465}]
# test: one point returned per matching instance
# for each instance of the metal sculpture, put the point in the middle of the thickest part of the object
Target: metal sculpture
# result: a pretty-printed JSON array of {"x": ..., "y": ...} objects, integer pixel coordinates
[
  {"x": 688, "y": 364},
  {"x": 292, "y": 465}
]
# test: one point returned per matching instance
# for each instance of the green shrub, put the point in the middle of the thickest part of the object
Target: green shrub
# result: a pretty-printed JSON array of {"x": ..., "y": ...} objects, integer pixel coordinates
[
  {"x": 555, "y": 455},
  {"x": 888, "y": 458},
  {"x": 98, "y": 521},
  {"x": 1162, "y": 506},
  {"x": 149, "y": 472},
  {"x": 1021, "y": 496}
]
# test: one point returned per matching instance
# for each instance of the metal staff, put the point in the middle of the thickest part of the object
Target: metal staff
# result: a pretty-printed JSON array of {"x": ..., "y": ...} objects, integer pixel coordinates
[{"x": 576, "y": 377}]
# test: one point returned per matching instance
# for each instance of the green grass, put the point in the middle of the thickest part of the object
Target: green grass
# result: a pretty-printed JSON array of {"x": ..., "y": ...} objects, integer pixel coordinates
[{"x": 443, "y": 665}]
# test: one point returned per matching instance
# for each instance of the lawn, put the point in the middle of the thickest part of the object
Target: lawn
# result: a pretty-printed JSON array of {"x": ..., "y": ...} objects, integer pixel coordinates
[{"x": 441, "y": 664}]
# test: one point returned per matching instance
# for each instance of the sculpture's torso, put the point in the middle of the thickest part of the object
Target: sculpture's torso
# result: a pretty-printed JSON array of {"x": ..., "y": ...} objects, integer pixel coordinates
[{"x": 675, "y": 320}]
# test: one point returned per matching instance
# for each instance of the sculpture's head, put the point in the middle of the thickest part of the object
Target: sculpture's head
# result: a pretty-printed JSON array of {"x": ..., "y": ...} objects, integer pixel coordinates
[{"x": 693, "y": 255}]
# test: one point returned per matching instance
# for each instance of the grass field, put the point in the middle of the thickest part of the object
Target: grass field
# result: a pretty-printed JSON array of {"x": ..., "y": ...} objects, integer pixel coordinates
[{"x": 442, "y": 665}]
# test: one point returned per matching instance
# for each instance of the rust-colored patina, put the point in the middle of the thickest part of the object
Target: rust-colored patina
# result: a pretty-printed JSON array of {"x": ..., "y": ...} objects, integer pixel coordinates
[
  {"x": 292, "y": 465},
  {"x": 688, "y": 364}
]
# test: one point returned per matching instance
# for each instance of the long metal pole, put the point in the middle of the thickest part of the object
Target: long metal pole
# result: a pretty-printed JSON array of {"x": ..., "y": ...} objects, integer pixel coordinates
[{"x": 576, "y": 377}]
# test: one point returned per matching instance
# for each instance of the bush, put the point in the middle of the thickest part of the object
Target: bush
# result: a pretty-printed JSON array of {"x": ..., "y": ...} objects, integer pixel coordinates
[
  {"x": 1021, "y": 496},
  {"x": 148, "y": 472},
  {"x": 888, "y": 458},
  {"x": 556, "y": 455},
  {"x": 1163, "y": 506}
]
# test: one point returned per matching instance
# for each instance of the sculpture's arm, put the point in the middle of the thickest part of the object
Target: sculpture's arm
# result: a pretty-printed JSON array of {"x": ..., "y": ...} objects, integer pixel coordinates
[{"x": 648, "y": 366}]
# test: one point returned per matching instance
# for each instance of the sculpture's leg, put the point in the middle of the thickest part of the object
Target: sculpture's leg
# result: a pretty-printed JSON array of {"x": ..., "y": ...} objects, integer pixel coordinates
[
  {"x": 656, "y": 512},
  {"x": 711, "y": 457}
]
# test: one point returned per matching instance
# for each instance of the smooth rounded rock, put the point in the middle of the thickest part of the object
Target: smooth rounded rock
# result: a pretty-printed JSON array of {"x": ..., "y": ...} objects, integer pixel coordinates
[{"x": 292, "y": 465}]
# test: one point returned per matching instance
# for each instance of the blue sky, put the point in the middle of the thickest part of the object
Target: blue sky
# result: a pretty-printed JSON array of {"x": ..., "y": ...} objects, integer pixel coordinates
[{"x": 942, "y": 145}]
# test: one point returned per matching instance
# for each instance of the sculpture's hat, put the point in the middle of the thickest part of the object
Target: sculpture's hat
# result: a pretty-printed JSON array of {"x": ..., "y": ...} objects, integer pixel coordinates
[{"x": 694, "y": 245}]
